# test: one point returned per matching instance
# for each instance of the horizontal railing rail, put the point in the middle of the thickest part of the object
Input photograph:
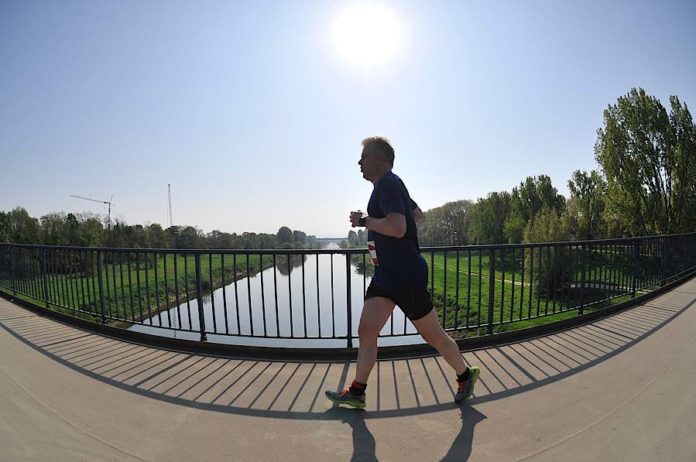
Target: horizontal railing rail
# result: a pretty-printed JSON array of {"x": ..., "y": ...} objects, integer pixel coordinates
[{"x": 312, "y": 298}]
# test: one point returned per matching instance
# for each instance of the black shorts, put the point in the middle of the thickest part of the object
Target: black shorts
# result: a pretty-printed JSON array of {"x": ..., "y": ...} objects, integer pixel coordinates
[{"x": 415, "y": 303}]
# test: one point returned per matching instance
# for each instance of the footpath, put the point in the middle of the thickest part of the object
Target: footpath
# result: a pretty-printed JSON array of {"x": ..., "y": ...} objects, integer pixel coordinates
[{"x": 618, "y": 389}]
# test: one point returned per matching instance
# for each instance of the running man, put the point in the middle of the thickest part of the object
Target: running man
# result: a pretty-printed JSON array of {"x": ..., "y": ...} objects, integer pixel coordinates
[{"x": 400, "y": 278}]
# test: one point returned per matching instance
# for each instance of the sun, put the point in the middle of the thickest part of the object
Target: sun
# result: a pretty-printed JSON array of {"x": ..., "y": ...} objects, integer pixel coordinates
[{"x": 366, "y": 34}]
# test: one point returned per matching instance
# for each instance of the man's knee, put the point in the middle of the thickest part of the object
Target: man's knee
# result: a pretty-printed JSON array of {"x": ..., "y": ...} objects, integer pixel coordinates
[{"x": 367, "y": 330}]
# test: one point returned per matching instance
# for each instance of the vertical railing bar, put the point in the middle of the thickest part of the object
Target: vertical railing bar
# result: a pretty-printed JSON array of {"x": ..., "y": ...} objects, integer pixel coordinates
[
  {"x": 236, "y": 293},
  {"x": 165, "y": 257},
  {"x": 199, "y": 297},
  {"x": 71, "y": 281},
  {"x": 318, "y": 300},
  {"x": 636, "y": 263},
  {"x": 101, "y": 286},
  {"x": 147, "y": 287},
  {"x": 468, "y": 289},
  {"x": 444, "y": 290},
  {"x": 539, "y": 283},
  {"x": 110, "y": 293},
  {"x": 263, "y": 296},
  {"x": 491, "y": 290},
  {"x": 549, "y": 277},
  {"x": 248, "y": 278},
  {"x": 123, "y": 289},
  {"x": 275, "y": 293},
  {"x": 212, "y": 290},
  {"x": 157, "y": 292},
  {"x": 349, "y": 310},
  {"x": 188, "y": 294},
  {"x": 531, "y": 282},
  {"x": 333, "y": 308},
  {"x": 107, "y": 289},
  {"x": 176, "y": 290},
  {"x": 304, "y": 298},
  {"x": 512, "y": 282},
  {"x": 47, "y": 295},
  {"x": 224, "y": 292},
  {"x": 130, "y": 287},
  {"x": 480, "y": 289},
  {"x": 502, "y": 284},
  {"x": 51, "y": 260},
  {"x": 456, "y": 293},
  {"x": 140, "y": 294},
  {"x": 114, "y": 295},
  {"x": 77, "y": 279},
  {"x": 85, "y": 299},
  {"x": 292, "y": 322},
  {"x": 522, "y": 259},
  {"x": 583, "y": 265}
]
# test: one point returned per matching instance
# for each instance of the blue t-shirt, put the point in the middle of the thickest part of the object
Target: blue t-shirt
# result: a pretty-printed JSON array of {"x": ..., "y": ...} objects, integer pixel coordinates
[{"x": 398, "y": 262}]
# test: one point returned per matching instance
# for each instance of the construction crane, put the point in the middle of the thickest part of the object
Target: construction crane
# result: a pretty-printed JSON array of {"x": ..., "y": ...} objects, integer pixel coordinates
[
  {"x": 169, "y": 210},
  {"x": 101, "y": 202}
]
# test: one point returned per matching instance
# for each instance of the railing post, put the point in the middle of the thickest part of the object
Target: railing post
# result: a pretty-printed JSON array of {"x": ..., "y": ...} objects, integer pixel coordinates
[
  {"x": 663, "y": 262},
  {"x": 100, "y": 278},
  {"x": 199, "y": 296},
  {"x": 583, "y": 275},
  {"x": 636, "y": 259},
  {"x": 13, "y": 270},
  {"x": 491, "y": 290},
  {"x": 349, "y": 308},
  {"x": 44, "y": 265}
]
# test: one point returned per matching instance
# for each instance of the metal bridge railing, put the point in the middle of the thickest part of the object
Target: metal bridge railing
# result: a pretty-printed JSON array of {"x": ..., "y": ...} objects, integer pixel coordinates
[{"x": 313, "y": 298}]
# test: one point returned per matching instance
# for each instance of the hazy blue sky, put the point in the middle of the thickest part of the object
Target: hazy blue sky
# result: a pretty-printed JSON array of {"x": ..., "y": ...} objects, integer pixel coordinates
[{"x": 250, "y": 112}]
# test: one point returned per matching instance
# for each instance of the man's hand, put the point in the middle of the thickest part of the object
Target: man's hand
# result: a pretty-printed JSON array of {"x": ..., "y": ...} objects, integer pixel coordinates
[{"x": 355, "y": 218}]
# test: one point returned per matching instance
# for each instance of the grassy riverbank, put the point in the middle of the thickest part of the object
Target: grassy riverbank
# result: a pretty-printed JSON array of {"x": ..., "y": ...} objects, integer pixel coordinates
[{"x": 138, "y": 289}]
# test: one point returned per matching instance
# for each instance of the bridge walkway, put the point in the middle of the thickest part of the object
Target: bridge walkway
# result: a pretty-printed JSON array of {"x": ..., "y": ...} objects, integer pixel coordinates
[{"x": 620, "y": 388}]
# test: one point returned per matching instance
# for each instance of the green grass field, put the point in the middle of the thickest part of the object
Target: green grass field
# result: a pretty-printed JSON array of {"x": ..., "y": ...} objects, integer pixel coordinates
[{"x": 530, "y": 287}]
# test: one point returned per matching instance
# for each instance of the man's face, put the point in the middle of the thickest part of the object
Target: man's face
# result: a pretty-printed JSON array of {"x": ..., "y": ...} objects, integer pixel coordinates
[{"x": 370, "y": 164}]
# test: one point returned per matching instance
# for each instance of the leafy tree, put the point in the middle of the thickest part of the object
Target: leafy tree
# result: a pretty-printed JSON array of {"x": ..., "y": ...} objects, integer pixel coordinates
[
  {"x": 4, "y": 226},
  {"x": 22, "y": 229},
  {"x": 554, "y": 268},
  {"x": 285, "y": 235},
  {"x": 446, "y": 225},
  {"x": 488, "y": 216},
  {"x": 587, "y": 204},
  {"x": 53, "y": 229},
  {"x": 649, "y": 160},
  {"x": 533, "y": 194},
  {"x": 299, "y": 238},
  {"x": 91, "y": 230},
  {"x": 353, "y": 240},
  {"x": 157, "y": 237}
]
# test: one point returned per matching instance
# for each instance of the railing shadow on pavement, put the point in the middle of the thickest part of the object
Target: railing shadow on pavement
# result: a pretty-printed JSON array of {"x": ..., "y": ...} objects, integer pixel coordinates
[{"x": 294, "y": 390}]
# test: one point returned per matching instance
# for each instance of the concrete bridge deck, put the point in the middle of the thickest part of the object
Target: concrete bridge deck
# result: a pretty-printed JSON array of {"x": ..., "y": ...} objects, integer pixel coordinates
[{"x": 621, "y": 388}]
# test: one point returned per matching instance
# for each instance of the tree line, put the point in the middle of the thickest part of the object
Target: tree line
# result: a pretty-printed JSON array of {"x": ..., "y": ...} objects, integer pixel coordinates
[
  {"x": 645, "y": 184},
  {"x": 87, "y": 230}
]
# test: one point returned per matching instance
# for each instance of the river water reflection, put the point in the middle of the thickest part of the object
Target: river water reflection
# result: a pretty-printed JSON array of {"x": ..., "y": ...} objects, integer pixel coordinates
[{"x": 308, "y": 302}]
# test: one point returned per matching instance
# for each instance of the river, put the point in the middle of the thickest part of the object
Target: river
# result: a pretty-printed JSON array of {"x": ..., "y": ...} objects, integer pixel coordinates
[{"x": 318, "y": 313}]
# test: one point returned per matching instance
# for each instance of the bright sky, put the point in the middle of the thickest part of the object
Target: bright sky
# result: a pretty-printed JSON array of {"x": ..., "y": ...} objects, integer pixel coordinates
[{"x": 254, "y": 110}]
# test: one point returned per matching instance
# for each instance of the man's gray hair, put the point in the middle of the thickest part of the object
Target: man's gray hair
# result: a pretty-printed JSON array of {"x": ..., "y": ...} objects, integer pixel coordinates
[{"x": 380, "y": 145}]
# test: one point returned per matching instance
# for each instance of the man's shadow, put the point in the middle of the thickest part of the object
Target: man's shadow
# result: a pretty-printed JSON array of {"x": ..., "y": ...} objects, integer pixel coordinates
[
  {"x": 461, "y": 447},
  {"x": 364, "y": 444}
]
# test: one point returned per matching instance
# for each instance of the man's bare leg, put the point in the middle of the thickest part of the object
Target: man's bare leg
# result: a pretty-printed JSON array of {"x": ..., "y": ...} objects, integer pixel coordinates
[
  {"x": 432, "y": 332},
  {"x": 375, "y": 313}
]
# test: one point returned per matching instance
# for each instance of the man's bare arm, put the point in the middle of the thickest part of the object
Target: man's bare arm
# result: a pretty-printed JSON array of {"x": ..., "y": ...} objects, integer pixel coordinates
[{"x": 394, "y": 224}]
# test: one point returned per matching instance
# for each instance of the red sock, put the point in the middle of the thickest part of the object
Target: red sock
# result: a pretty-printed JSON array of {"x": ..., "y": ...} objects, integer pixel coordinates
[{"x": 358, "y": 388}]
